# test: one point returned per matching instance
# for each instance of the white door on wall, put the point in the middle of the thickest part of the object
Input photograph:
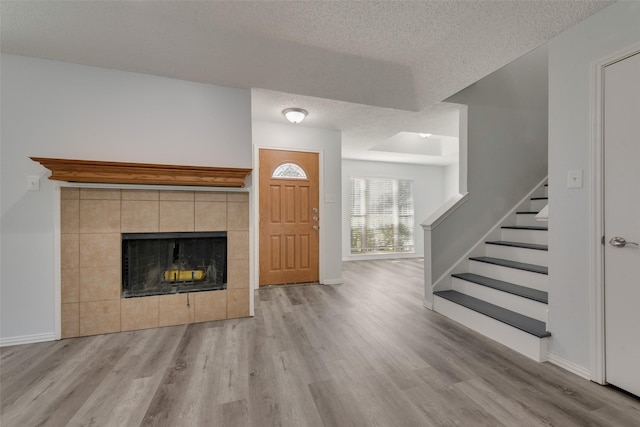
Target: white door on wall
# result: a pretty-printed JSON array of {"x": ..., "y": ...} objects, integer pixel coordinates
[{"x": 622, "y": 223}]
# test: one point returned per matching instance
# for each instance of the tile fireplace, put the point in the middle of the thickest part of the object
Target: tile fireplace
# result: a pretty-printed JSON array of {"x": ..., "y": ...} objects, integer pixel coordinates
[{"x": 95, "y": 224}]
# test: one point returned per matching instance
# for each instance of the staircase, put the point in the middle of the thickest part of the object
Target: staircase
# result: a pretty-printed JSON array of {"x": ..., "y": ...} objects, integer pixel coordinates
[{"x": 502, "y": 291}]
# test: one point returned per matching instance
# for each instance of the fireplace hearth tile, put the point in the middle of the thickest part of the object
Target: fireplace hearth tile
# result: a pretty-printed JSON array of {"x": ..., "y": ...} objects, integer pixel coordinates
[
  {"x": 210, "y": 216},
  {"x": 210, "y": 196},
  {"x": 139, "y": 313},
  {"x": 100, "y": 216},
  {"x": 69, "y": 193},
  {"x": 100, "y": 250},
  {"x": 237, "y": 303},
  {"x": 176, "y": 309},
  {"x": 70, "y": 216},
  {"x": 99, "y": 194},
  {"x": 70, "y": 285},
  {"x": 177, "y": 196},
  {"x": 69, "y": 250},
  {"x": 238, "y": 274},
  {"x": 99, "y": 317},
  {"x": 211, "y": 305},
  {"x": 238, "y": 214},
  {"x": 238, "y": 197},
  {"x": 99, "y": 283},
  {"x": 140, "y": 216},
  {"x": 140, "y": 195},
  {"x": 70, "y": 320},
  {"x": 176, "y": 216},
  {"x": 238, "y": 244}
]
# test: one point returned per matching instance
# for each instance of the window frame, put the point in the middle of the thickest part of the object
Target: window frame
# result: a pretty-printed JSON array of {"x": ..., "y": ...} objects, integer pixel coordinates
[{"x": 365, "y": 232}]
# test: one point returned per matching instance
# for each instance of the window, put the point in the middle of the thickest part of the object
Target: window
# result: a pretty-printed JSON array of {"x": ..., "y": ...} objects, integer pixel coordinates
[
  {"x": 289, "y": 171},
  {"x": 381, "y": 215}
]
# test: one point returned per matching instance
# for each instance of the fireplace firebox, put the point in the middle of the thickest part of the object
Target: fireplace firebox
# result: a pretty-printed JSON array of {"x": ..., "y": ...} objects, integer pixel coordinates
[{"x": 168, "y": 263}]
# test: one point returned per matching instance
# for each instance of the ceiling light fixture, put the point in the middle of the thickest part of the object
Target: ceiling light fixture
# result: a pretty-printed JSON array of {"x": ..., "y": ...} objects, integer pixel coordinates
[
  {"x": 295, "y": 115},
  {"x": 425, "y": 135}
]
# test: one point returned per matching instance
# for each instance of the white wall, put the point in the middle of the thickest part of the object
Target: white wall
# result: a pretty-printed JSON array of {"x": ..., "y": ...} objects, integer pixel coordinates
[
  {"x": 329, "y": 144},
  {"x": 506, "y": 139},
  {"x": 451, "y": 181},
  {"x": 56, "y": 109},
  {"x": 429, "y": 193},
  {"x": 571, "y": 58}
]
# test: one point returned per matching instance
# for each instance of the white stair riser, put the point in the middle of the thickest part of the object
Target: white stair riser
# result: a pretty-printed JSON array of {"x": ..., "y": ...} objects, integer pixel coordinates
[
  {"x": 529, "y": 220},
  {"x": 537, "y": 205},
  {"x": 546, "y": 191},
  {"x": 524, "y": 306},
  {"x": 520, "y": 341},
  {"x": 530, "y": 256},
  {"x": 525, "y": 236},
  {"x": 513, "y": 275}
]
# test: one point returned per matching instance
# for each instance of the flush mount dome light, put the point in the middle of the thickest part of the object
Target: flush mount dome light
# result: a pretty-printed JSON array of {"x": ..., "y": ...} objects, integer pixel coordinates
[
  {"x": 295, "y": 115},
  {"x": 425, "y": 135}
]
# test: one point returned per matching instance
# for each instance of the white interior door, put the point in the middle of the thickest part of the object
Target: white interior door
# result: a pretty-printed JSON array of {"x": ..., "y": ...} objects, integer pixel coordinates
[{"x": 622, "y": 223}]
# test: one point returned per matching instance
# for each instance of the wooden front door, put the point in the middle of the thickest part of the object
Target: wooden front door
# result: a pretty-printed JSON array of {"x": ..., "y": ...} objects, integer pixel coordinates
[{"x": 289, "y": 217}]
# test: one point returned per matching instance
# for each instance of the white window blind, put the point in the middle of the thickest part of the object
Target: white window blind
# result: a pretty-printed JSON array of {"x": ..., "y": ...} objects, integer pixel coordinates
[{"x": 381, "y": 215}]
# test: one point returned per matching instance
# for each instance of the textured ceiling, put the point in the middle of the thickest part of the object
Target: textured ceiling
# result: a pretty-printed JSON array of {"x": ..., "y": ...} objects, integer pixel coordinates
[{"x": 370, "y": 69}]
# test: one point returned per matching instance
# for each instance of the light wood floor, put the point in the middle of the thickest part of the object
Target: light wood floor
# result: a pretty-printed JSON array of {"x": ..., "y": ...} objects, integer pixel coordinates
[{"x": 365, "y": 353}]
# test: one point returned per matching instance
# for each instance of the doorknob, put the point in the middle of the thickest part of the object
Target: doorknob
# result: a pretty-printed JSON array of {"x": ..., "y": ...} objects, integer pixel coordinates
[
  {"x": 316, "y": 228},
  {"x": 620, "y": 242}
]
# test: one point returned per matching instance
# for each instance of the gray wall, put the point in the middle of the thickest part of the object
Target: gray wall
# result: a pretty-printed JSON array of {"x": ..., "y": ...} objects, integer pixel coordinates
[
  {"x": 506, "y": 153},
  {"x": 571, "y": 58},
  {"x": 430, "y": 191}
]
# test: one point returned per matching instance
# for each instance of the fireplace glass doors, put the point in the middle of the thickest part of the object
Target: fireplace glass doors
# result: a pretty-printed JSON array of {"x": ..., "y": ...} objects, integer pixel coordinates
[{"x": 167, "y": 263}]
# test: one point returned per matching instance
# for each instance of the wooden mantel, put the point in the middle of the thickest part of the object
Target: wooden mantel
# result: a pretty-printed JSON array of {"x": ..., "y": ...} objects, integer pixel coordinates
[{"x": 90, "y": 171}]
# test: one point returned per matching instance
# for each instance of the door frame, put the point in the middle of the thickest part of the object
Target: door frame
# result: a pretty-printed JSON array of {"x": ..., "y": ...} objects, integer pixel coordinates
[
  {"x": 596, "y": 213},
  {"x": 256, "y": 206}
]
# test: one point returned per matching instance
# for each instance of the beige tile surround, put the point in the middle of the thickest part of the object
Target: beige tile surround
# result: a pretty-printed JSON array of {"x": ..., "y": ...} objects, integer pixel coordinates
[{"x": 91, "y": 223}]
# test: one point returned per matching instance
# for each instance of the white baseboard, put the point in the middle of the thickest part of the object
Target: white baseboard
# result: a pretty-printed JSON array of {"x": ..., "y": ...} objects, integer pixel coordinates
[
  {"x": 332, "y": 282},
  {"x": 27, "y": 339},
  {"x": 567, "y": 365},
  {"x": 427, "y": 304}
]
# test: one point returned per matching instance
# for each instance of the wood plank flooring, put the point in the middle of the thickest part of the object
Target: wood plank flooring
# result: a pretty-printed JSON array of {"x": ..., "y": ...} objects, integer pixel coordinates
[{"x": 365, "y": 353}]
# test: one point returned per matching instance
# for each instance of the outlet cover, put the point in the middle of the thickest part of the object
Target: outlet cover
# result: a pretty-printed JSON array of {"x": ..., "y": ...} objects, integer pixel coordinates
[{"x": 574, "y": 179}]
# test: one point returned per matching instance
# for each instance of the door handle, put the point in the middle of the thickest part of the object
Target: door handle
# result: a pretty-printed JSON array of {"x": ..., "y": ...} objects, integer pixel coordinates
[
  {"x": 621, "y": 242},
  {"x": 316, "y": 228}
]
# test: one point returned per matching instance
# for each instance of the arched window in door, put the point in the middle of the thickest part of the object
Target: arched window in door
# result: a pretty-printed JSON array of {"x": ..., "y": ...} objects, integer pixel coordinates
[{"x": 289, "y": 171}]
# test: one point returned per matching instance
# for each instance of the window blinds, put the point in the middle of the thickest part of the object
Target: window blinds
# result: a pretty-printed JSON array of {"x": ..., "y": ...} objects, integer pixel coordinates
[{"x": 381, "y": 215}]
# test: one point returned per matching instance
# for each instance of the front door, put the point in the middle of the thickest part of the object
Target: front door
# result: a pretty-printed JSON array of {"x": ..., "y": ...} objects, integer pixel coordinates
[
  {"x": 622, "y": 222},
  {"x": 289, "y": 217}
]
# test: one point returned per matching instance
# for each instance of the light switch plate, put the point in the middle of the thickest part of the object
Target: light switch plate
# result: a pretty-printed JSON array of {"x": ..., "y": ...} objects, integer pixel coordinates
[
  {"x": 330, "y": 198},
  {"x": 574, "y": 179},
  {"x": 33, "y": 183}
]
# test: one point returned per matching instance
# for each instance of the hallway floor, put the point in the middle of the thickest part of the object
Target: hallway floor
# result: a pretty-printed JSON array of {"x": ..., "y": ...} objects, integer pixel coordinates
[{"x": 359, "y": 354}]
